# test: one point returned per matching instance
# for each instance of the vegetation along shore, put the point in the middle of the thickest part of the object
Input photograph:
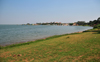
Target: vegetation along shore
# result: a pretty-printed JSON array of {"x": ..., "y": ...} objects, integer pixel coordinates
[
  {"x": 75, "y": 47},
  {"x": 84, "y": 46}
]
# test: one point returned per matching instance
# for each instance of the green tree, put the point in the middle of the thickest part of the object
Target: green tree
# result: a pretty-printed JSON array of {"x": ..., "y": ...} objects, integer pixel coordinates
[
  {"x": 70, "y": 24},
  {"x": 94, "y": 22},
  {"x": 81, "y": 22},
  {"x": 97, "y": 26}
]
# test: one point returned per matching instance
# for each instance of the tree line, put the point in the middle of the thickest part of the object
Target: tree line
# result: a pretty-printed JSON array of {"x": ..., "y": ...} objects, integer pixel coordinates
[
  {"x": 90, "y": 23},
  {"x": 51, "y": 23}
]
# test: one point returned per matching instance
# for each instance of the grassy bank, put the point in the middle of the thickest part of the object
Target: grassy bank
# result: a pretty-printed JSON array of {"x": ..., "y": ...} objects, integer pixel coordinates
[{"x": 61, "y": 48}]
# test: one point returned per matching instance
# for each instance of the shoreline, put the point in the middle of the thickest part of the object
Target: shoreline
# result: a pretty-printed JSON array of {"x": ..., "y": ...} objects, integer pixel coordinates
[
  {"x": 38, "y": 40},
  {"x": 67, "y": 47},
  {"x": 16, "y": 37}
]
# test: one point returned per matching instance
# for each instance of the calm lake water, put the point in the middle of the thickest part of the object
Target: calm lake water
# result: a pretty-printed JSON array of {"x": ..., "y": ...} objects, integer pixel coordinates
[{"x": 10, "y": 34}]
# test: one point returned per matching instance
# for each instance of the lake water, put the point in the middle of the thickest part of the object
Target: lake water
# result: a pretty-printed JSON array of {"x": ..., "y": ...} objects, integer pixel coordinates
[{"x": 10, "y": 34}]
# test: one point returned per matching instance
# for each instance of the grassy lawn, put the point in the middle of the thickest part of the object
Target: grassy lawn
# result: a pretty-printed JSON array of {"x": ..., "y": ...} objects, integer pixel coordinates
[{"x": 81, "y": 47}]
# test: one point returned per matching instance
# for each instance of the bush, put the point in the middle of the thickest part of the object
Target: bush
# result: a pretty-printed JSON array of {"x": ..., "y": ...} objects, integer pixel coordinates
[{"x": 97, "y": 26}]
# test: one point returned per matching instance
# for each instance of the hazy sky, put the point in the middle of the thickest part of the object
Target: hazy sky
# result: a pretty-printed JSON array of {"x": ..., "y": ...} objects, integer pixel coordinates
[{"x": 34, "y": 11}]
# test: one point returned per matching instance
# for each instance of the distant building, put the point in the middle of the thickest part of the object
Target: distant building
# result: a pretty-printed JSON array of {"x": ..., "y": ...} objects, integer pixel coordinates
[
  {"x": 65, "y": 24},
  {"x": 32, "y": 24},
  {"x": 75, "y": 24}
]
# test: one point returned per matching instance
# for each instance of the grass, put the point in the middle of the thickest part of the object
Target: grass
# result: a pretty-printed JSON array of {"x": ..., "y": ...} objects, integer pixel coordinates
[
  {"x": 27, "y": 43},
  {"x": 76, "y": 47}
]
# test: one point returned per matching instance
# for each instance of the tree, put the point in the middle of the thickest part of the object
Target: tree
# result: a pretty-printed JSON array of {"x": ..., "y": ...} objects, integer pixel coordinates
[
  {"x": 81, "y": 22},
  {"x": 98, "y": 19},
  {"x": 70, "y": 24},
  {"x": 28, "y": 23},
  {"x": 97, "y": 26}
]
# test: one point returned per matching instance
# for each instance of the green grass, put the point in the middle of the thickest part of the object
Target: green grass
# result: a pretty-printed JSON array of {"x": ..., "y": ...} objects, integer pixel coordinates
[
  {"x": 76, "y": 47},
  {"x": 27, "y": 43}
]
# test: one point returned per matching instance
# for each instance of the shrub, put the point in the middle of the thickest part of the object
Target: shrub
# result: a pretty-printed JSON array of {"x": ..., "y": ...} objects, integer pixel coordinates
[{"x": 97, "y": 26}]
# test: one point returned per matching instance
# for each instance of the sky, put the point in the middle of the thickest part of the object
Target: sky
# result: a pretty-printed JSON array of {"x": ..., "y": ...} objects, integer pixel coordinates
[{"x": 41, "y": 11}]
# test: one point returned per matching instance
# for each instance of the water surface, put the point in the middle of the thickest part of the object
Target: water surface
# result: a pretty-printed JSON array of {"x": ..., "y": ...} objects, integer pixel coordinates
[{"x": 10, "y": 34}]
